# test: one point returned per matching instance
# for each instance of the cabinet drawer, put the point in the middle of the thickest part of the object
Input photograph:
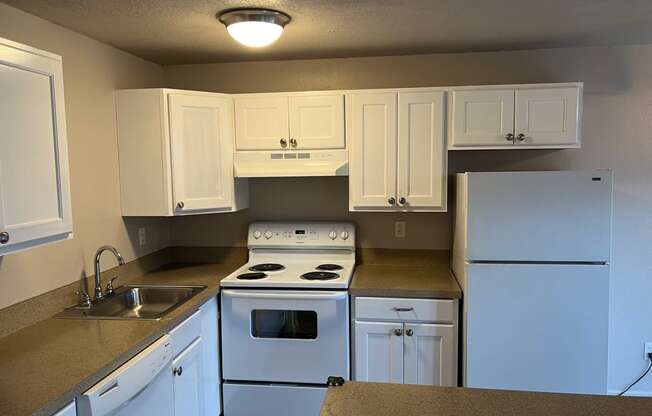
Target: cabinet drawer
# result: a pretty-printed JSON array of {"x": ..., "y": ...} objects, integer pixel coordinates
[
  {"x": 405, "y": 309},
  {"x": 185, "y": 333}
]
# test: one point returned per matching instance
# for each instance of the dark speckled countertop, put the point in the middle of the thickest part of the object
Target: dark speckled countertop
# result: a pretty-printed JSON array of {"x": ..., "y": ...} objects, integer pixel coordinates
[
  {"x": 404, "y": 274},
  {"x": 377, "y": 399},
  {"x": 45, "y": 365}
]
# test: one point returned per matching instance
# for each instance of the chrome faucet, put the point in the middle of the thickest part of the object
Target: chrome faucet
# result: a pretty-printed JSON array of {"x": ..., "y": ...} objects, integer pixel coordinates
[{"x": 98, "y": 285}]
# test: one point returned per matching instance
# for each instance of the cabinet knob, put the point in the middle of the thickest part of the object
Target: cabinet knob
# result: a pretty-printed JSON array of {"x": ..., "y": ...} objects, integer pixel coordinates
[
  {"x": 180, "y": 205},
  {"x": 178, "y": 371},
  {"x": 391, "y": 201},
  {"x": 398, "y": 332},
  {"x": 402, "y": 200},
  {"x": 283, "y": 142},
  {"x": 293, "y": 142},
  {"x": 520, "y": 137},
  {"x": 509, "y": 137},
  {"x": 409, "y": 332},
  {"x": 4, "y": 237}
]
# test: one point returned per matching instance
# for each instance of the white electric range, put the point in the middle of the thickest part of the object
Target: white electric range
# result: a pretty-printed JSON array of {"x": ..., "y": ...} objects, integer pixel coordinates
[{"x": 285, "y": 318}]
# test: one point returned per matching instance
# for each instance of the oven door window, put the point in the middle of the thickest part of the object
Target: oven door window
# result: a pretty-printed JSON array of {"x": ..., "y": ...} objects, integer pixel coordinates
[{"x": 283, "y": 324}]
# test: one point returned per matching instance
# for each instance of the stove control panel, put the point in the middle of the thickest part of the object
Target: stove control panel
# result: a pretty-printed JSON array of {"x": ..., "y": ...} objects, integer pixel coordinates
[{"x": 316, "y": 235}]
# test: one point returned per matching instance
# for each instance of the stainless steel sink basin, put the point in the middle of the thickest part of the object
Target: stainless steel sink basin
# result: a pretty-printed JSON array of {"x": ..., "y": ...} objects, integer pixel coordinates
[{"x": 143, "y": 302}]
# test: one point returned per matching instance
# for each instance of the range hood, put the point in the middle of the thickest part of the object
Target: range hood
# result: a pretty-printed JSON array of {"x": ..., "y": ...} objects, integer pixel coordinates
[{"x": 255, "y": 164}]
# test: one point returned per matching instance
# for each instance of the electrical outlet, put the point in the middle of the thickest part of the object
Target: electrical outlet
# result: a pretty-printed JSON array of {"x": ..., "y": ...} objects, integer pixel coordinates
[
  {"x": 399, "y": 229},
  {"x": 648, "y": 349},
  {"x": 142, "y": 236}
]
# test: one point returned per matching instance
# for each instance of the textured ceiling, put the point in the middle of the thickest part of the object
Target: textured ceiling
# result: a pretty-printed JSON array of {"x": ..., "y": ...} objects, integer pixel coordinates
[{"x": 186, "y": 31}]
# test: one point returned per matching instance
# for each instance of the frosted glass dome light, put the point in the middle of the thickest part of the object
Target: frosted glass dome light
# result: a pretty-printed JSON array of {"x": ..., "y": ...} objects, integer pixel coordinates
[{"x": 254, "y": 28}]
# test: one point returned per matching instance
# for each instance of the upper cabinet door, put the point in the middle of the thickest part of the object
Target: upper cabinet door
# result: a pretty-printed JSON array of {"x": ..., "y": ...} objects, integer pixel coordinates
[
  {"x": 372, "y": 128},
  {"x": 379, "y": 352},
  {"x": 430, "y": 357},
  {"x": 317, "y": 122},
  {"x": 547, "y": 117},
  {"x": 421, "y": 150},
  {"x": 482, "y": 118},
  {"x": 34, "y": 187},
  {"x": 261, "y": 123},
  {"x": 201, "y": 134}
]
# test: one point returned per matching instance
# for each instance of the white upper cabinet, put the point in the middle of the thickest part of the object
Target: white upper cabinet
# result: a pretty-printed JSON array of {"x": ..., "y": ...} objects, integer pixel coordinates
[
  {"x": 483, "y": 118},
  {"x": 544, "y": 117},
  {"x": 289, "y": 122},
  {"x": 372, "y": 129},
  {"x": 34, "y": 184},
  {"x": 202, "y": 144},
  {"x": 547, "y": 117},
  {"x": 398, "y": 151},
  {"x": 421, "y": 150},
  {"x": 176, "y": 153},
  {"x": 261, "y": 122},
  {"x": 317, "y": 121}
]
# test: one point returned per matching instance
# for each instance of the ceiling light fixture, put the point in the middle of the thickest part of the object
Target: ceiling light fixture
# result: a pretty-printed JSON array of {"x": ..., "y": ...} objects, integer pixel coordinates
[{"x": 254, "y": 27}]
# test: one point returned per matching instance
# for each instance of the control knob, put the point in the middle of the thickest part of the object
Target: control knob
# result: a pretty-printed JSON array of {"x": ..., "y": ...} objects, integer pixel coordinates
[
  {"x": 257, "y": 234},
  {"x": 268, "y": 234},
  {"x": 332, "y": 235},
  {"x": 344, "y": 235}
]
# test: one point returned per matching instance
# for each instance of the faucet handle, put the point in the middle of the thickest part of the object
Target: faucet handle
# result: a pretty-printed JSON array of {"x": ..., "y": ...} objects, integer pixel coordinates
[
  {"x": 109, "y": 286},
  {"x": 84, "y": 298}
]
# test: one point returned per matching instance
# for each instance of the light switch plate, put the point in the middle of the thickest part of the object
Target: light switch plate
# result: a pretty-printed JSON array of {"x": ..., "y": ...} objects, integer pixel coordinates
[
  {"x": 399, "y": 229},
  {"x": 142, "y": 236}
]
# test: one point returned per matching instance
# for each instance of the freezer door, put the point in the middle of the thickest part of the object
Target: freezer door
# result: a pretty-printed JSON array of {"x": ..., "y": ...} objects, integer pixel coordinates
[
  {"x": 539, "y": 216},
  {"x": 537, "y": 327}
]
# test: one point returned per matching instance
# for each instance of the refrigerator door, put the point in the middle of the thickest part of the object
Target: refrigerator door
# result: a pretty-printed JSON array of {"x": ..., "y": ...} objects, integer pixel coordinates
[
  {"x": 539, "y": 216},
  {"x": 540, "y": 327}
]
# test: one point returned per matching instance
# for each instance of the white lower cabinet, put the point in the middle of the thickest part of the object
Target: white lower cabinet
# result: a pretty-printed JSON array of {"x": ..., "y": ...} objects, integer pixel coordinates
[
  {"x": 195, "y": 367},
  {"x": 69, "y": 410},
  {"x": 400, "y": 351},
  {"x": 187, "y": 369}
]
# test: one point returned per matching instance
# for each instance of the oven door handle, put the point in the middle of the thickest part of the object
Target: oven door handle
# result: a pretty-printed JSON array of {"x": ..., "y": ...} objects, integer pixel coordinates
[{"x": 278, "y": 295}]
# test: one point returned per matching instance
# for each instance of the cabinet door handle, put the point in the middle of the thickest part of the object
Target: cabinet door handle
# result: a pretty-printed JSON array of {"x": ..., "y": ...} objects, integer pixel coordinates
[
  {"x": 180, "y": 205},
  {"x": 409, "y": 332},
  {"x": 520, "y": 137},
  {"x": 283, "y": 142},
  {"x": 398, "y": 332},
  {"x": 391, "y": 201},
  {"x": 178, "y": 371},
  {"x": 293, "y": 142},
  {"x": 402, "y": 201},
  {"x": 509, "y": 137},
  {"x": 4, "y": 237},
  {"x": 403, "y": 309}
]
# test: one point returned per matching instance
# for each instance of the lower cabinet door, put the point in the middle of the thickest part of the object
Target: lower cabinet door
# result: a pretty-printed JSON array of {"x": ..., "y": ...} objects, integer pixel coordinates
[
  {"x": 187, "y": 369},
  {"x": 379, "y": 352},
  {"x": 430, "y": 354}
]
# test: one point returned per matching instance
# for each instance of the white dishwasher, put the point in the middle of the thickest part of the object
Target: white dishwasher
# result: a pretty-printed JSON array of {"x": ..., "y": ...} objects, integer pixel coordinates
[{"x": 141, "y": 386}]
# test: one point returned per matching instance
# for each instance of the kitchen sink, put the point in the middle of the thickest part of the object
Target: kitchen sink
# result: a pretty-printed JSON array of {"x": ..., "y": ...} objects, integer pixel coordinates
[{"x": 142, "y": 302}]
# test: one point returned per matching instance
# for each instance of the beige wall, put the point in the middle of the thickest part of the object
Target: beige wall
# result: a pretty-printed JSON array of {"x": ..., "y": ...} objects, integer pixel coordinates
[
  {"x": 92, "y": 71},
  {"x": 617, "y": 135}
]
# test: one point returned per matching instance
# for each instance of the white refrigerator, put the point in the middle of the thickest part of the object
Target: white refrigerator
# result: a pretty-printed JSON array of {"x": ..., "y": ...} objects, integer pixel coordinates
[{"x": 531, "y": 251}]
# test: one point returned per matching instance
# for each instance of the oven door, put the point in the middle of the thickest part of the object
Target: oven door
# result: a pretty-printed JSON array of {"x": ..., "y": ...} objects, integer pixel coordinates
[{"x": 285, "y": 335}]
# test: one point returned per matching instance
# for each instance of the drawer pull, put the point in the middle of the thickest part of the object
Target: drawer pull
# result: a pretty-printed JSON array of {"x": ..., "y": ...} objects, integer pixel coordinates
[{"x": 397, "y": 309}]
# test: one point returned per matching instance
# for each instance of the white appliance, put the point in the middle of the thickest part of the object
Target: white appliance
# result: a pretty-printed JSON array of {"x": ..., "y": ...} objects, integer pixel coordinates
[
  {"x": 263, "y": 164},
  {"x": 531, "y": 251},
  {"x": 285, "y": 318},
  {"x": 141, "y": 386}
]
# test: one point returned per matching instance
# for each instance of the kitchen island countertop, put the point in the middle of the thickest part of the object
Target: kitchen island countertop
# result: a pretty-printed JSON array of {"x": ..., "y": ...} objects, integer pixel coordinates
[{"x": 379, "y": 399}]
